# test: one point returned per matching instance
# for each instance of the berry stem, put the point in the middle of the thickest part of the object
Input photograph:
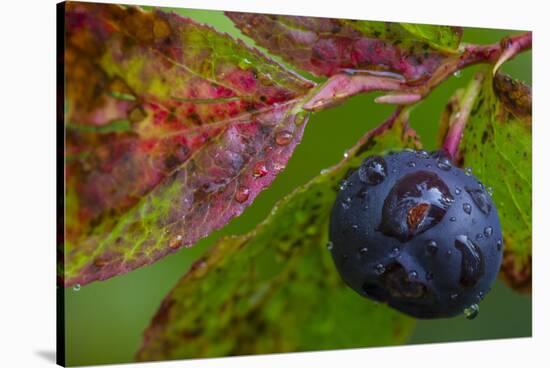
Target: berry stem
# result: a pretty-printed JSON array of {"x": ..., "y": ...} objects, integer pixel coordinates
[
  {"x": 341, "y": 86},
  {"x": 459, "y": 117}
]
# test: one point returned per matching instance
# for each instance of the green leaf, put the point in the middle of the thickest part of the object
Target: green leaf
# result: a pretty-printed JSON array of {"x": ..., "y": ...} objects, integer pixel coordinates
[
  {"x": 276, "y": 288},
  {"x": 497, "y": 145},
  {"x": 172, "y": 129},
  {"x": 444, "y": 38}
]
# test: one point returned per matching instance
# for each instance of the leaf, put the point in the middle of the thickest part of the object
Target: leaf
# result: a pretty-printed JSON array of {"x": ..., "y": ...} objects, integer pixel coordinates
[
  {"x": 497, "y": 144},
  {"x": 172, "y": 129},
  {"x": 445, "y": 38},
  {"x": 276, "y": 289},
  {"x": 326, "y": 46}
]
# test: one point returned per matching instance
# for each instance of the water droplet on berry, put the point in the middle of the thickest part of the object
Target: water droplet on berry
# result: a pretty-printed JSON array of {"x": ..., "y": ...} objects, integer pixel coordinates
[
  {"x": 467, "y": 208},
  {"x": 242, "y": 194},
  {"x": 472, "y": 266},
  {"x": 259, "y": 170},
  {"x": 411, "y": 164},
  {"x": 354, "y": 227},
  {"x": 283, "y": 137},
  {"x": 444, "y": 163},
  {"x": 472, "y": 311},
  {"x": 363, "y": 251},
  {"x": 346, "y": 203},
  {"x": 413, "y": 275},
  {"x": 458, "y": 190},
  {"x": 373, "y": 170},
  {"x": 432, "y": 247},
  {"x": 499, "y": 245},
  {"x": 488, "y": 231},
  {"x": 416, "y": 203},
  {"x": 468, "y": 171},
  {"x": 422, "y": 154},
  {"x": 452, "y": 219},
  {"x": 480, "y": 199},
  {"x": 380, "y": 269},
  {"x": 479, "y": 236},
  {"x": 395, "y": 252}
]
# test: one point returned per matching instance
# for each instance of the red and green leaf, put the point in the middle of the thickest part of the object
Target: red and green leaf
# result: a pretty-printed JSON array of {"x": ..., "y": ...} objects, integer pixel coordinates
[
  {"x": 497, "y": 145},
  {"x": 276, "y": 289},
  {"x": 172, "y": 129},
  {"x": 326, "y": 46}
]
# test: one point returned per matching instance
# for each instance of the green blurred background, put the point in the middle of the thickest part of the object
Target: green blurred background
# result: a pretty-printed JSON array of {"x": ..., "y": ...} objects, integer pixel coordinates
[{"x": 105, "y": 320}]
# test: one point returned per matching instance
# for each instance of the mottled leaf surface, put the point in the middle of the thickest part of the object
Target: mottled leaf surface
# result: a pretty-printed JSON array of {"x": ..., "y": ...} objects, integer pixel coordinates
[
  {"x": 497, "y": 145},
  {"x": 446, "y": 38},
  {"x": 326, "y": 46},
  {"x": 276, "y": 288},
  {"x": 172, "y": 129}
]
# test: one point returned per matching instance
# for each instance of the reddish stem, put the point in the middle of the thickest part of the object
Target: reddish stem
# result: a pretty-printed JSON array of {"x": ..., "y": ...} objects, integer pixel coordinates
[{"x": 458, "y": 119}]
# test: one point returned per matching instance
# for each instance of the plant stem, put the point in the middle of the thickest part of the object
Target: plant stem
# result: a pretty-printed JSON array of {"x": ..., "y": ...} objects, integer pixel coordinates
[{"x": 458, "y": 119}]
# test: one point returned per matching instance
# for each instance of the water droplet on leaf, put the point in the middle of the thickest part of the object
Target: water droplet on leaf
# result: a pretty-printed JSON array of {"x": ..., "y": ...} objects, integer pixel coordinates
[
  {"x": 242, "y": 194},
  {"x": 283, "y": 138},
  {"x": 260, "y": 170},
  {"x": 76, "y": 287}
]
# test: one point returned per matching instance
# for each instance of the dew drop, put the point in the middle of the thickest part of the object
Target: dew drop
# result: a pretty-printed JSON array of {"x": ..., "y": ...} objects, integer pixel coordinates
[
  {"x": 346, "y": 154},
  {"x": 76, "y": 287},
  {"x": 472, "y": 311},
  {"x": 373, "y": 170},
  {"x": 411, "y": 164},
  {"x": 468, "y": 171},
  {"x": 259, "y": 170},
  {"x": 467, "y": 208},
  {"x": 242, "y": 194},
  {"x": 444, "y": 163},
  {"x": 413, "y": 275},
  {"x": 490, "y": 191},
  {"x": 488, "y": 231},
  {"x": 416, "y": 203},
  {"x": 452, "y": 219},
  {"x": 283, "y": 137},
  {"x": 499, "y": 245},
  {"x": 453, "y": 296},
  {"x": 479, "y": 236},
  {"x": 354, "y": 227},
  {"x": 346, "y": 204},
  {"x": 458, "y": 190},
  {"x": 422, "y": 154},
  {"x": 380, "y": 269},
  {"x": 330, "y": 245},
  {"x": 395, "y": 252},
  {"x": 343, "y": 184},
  {"x": 457, "y": 73},
  {"x": 448, "y": 253},
  {"x": 480, "y": 199},
  {"x": 472, "y": 266},
  {"x": 432, "y": 247},
  {"x": 363, "y": 251},
  {"x": 480, "y": 296}
]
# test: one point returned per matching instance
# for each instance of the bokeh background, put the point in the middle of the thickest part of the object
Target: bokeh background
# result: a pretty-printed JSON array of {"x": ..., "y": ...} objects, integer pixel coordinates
[{"x": 105, "y": 320}]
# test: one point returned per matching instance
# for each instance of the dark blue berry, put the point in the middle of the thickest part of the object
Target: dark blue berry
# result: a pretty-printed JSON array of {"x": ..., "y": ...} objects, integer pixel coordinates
[{"x": 430, "y": 240}]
